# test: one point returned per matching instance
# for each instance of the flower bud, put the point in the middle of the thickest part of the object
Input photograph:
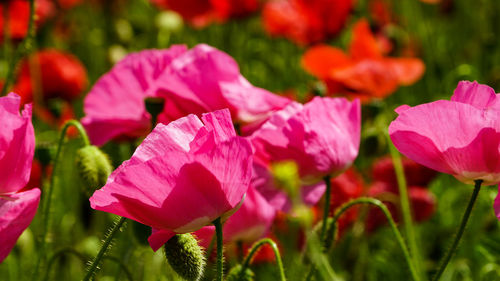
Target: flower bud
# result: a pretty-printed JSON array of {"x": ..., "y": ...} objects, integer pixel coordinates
[
  {"x": 236, "y": 274},
  {"x": 94, "y": 168},
  {"x": 185, "y": 256}
]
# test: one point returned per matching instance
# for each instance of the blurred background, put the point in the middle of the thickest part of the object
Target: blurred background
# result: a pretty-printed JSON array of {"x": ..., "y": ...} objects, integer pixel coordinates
[{"x": 77, "y": 41}]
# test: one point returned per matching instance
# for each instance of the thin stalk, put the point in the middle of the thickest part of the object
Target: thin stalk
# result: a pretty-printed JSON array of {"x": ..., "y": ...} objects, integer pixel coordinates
[
  {"x": 405, "y": 207},
  {"x": 24, "y": 48},
  {"x": 326, "y": 212},
  {"x": 48, "y": 198},
  {"x": 326, "y": 209},
  {"x": 220, "y": 254},
  {"x": 58, "y": 254},
  {"x": 105, "y": 245},
  {"x": 460, "y": 232},
  {"x": 254, "y": 250},
  {"x": 372, "y": 201}
]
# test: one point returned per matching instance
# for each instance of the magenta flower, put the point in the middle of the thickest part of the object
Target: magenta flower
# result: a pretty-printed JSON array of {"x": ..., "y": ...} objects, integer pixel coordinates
[
  {"x": 17, "y": 146},
  {"x": 460, "y": 137},
  {"x": 182, "y": 177},
  {"x": 322, "y": 136},
  {"x": 194, "y": 81}
]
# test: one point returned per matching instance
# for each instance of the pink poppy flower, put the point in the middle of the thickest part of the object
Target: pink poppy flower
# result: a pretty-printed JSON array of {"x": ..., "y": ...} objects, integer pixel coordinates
[
  {"x": 460, "y": 137},
  {"x": 182, "y": 177},
  {"x": 17, "y": 146},
  {"x": 194, "y": 81},
  {"x": 322, "y": 136}
]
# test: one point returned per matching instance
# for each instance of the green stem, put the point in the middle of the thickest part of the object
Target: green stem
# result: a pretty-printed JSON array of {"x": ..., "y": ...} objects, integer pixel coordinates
[
  {"x": 405, "y": 207},
  {"x": 254, "y": 250},
  {"x": 326, "y": 213},
  {"x": 220, "y": 254},
  {"x": 48, "y": 198},
  {"x": 326, "y": 209},
  {"x": 460, "y": 232},
  {"x": 61, "y": 253},
  {"x": 372, "y": 201},
  {"x": 104, "y": 248},
  {"x": 23, "y": 49}
]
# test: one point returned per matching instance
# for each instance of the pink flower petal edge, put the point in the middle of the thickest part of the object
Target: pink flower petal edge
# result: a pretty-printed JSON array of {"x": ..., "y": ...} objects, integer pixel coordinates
[
  {"x": 16, "y": 212},
  {"x": 461, "y": 138},
  {"x": 17, "y": 144}
]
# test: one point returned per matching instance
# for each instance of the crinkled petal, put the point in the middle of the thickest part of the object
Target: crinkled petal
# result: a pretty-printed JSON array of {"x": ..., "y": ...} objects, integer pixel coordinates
[
  {"x": 182, "y": 192},
  {"x": 475, "y": 94},
  {"x": 17, "y": 144},
  {"x": 16, "y": 212}
]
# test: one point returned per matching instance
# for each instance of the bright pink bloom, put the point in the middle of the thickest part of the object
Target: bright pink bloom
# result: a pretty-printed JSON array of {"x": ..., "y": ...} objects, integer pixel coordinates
[
  {"x": 17, "y": 146},
  {"x": 322, "y": 136},
  {"x": 460, "y": 137},
  {"x": 182, "y": 177},
  {"x": 192, "y": 81}
]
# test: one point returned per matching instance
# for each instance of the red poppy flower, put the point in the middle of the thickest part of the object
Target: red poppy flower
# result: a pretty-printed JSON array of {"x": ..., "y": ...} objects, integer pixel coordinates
[
  {"x": 61, "y": 75},
  {"x": 202, "y": 12},
  {"x": 18, "y": 12},
  {"x": 306, "y": 22},
  {"x": 365, "y": 72}
]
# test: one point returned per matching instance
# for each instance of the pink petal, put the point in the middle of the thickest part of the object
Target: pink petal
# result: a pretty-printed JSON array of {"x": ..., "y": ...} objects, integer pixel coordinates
[
  {"x": 170, "y": 197},
  {"x": 16, "y": 212},
  {"x": 17, "y": 144},
  {"x": 450, "y": 137},
  {"x": 117, "y": 98},
  {"x": 475, "y": 94},
  {"x": 311, "y": 194},
  {"x": 159, "y": 237}
]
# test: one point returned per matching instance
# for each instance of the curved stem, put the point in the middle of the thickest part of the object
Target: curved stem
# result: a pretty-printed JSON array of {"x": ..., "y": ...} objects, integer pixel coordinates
[
  {"x": 23, "y": 49},
  {"x": 254, "y": 250},
  {"x": 326, "y": 209},
  {"x": 405, "y": 206},
  {"x": 372, "y": 201},
  {"x": 220, "y": 255},
  {"x": 460, "y": 232},
  {"x": 61, "y": 253},
  {"x": 104, "y": 248},
  {"x": 47, "y": 203}
]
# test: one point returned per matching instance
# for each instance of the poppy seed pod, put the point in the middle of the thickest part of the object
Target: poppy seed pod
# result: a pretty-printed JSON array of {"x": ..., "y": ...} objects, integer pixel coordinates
[
  {"x": 185, "y": 256},
  {"x": 94, "y": 168}
]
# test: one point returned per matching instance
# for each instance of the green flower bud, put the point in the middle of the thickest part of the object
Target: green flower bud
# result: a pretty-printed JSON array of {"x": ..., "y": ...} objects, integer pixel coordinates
[
  {"x": 236, "y": 274},
  {"x": 94, "y": 168},
  {"x": 185, "y": 256}
]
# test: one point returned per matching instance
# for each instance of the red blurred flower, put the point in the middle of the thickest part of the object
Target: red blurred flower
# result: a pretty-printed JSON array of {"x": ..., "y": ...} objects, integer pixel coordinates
[
  {"x": 60, "y": 74},
  {"x": 365, "y": 72},
  {"x": 416, "y": 174},
  {"x": 202, "y": 12},
  {"x": 265, "y": 253},
  {"x": 18, "y": 12},
  {"x": 306, "y": 22},
  {"x": 68, "y": 4}
]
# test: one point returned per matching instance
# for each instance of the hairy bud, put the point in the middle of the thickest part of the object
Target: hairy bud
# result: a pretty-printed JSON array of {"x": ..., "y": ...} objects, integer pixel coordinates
[
  {"x": 94, "y": 168},
  {"x": 185, "y": 256}
]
